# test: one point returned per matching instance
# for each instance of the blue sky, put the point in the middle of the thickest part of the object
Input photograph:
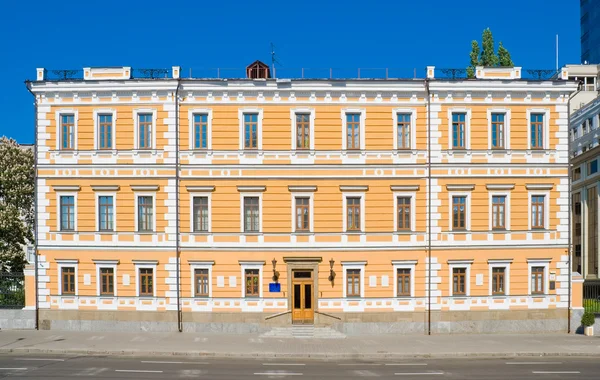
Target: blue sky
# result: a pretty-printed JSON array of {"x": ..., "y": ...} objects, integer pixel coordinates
[{"x": 199, "y": 34}]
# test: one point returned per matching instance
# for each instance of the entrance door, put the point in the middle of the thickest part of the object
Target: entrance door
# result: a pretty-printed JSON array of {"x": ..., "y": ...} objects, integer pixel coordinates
[{"x": 302, "y": 297}]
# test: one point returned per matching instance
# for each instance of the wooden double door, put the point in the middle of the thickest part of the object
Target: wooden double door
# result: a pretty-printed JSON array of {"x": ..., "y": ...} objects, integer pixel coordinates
[{"x": 303, "y": 303}]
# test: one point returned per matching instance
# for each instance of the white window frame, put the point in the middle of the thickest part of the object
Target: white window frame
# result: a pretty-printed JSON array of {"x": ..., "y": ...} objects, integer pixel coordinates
[
  {"x": 499, "y": 264},
  {"x": 353, "y": 265},
  {"x": 241, "y": 113},
  {"x": 200, "y": 194},
  {"x": 97, "y": 114},
  {"x": 363, "y": 118},
  {"x": 404, "y": 264},
  {"x": 209, "y": 116},
  {"x": 546, "y": 195},
  {"x": 260, "y": 211},
  {"x": 61, "y": 263},
  {"x": 145, "y": 194},
  {"x": 452, "y": 264},
  {"x": 142, "y": 264},
  {"x": 136, "y": 137},
  {"x": 413, "y": 217},
  {"x": 507, "y": 117},
  {"x": 111, "y": 264},
  {"x": 413, "y": 126},
  {"x": 58, "y": 115},
  {"x": 252, "y": 265},
  {"x": 466, "y": 111},
  {"x": 345, "y": 196},
  {"x": 97, "y": 195},
  {"x": 491, "y": 195},
  {"x": 311, "y": 206},
  {"x": 59, "y": 211},
  {"x": 311, "y": 112},
  {"x": 546, "y": 127},
  {"x": 467, "y": 195},
  {"x": 539, "y": 263},
  {"x": 200, "y": 265}
]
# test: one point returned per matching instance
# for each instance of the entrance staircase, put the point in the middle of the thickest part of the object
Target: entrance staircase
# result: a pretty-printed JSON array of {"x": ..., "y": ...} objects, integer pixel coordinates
[{"x": 303, "y": 332}]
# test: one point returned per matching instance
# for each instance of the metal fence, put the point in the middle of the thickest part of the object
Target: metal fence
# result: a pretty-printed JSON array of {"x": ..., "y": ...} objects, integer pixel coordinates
[
  {"x": 12, "y": 290},
  {"x": 591, "y": 296}
]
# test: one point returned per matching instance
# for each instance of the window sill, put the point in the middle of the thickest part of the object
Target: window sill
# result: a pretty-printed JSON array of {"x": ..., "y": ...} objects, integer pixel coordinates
[
  {"x": 404, "y": 298},
  {"x": 106, "y": 232},
  {"x": 252, "y": 233},
  {"x": 499, "y": 296},
  {"x": 201, "y": 233},
  {"x": 539, "y": 295},
  {"x": 460, "y": 231},
  {"x": 404, "y": 232},
  {"x": 499, "y": 150},
  {"x": 459, "y": 297},
  {"x": 354, "y": 232},
  {"x": 201, "y": 298},
  {"x": 499, "y": 230},
  {"x": 145, "y": 232},
  {"x": 539, "y": 230},
  {"x": 106, "y": 296},
  {"x": 303, "y": 233},
  {"x": 70, "y": 232}
]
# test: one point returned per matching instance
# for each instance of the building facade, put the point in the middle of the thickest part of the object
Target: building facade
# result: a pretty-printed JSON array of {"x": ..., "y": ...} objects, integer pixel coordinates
[
  {"x": 590, "y": 35},
  {"x": 239, "y": 204}
]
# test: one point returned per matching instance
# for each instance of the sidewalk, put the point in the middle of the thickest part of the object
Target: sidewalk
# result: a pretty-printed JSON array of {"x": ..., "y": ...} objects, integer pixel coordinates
[{"x": 255, "y": 346}]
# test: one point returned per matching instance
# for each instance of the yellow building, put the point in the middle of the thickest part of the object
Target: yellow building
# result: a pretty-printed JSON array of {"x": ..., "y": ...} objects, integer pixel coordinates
[{"x": 240, "y": 204}]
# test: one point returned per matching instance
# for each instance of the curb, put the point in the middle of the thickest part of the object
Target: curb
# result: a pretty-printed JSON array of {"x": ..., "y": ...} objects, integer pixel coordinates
[{"x": 317, "y": 356}]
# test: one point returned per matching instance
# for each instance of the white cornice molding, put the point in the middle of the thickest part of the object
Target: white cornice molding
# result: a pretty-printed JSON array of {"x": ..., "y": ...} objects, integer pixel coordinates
[
  {"x": 405, "y": 262},
  {"x": 66, "y": 187},
  {"x": 251, "y": 262},
  {"x": 106, "y": 262},
  {"x": 539, "y": 186},
  {"x": 539, "y": 261},
  {"x": 405, "y": 187},
  {"x": 200, "y": 189},
  {"x": 145, "y": 262},
  {"x": 251, "y": 189},
  {"x": 144, "y": 187},
  {"x": 354, "y": 262},
  {"x": 201, "y": 262},
  {"x": 462, "y": 261},
  {"x": 500, "y": 186},
  {"x": 354, "y": 187},
  {"x": 67, "y": 261},
  {"x": 105, "y": 187},
  {"x": 500, "y": 261},
  {"x": 460, "y": 187},
  {"x": 302, "y": 189}
]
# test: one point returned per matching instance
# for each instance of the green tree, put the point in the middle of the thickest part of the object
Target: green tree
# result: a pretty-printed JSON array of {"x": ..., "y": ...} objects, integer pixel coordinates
[
  {"x": 504, "y": 59},
  {"x": 16, "y": 204},
  {"x": 488, "y": 57},
  {"x": 474, "y": 56}
]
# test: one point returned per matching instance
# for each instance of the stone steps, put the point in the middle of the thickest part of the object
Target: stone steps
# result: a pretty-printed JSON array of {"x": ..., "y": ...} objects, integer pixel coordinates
[{"x": 303, "y": 332}]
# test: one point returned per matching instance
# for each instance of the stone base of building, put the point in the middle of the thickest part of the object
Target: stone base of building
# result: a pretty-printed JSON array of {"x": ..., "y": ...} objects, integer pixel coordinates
[
  {"x": 447, "y": 322},
  {"x": 17, "y": 319}
]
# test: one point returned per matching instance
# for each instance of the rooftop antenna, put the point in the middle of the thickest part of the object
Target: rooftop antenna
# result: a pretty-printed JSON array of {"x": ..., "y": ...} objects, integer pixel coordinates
[
  {"x": 557, "y": 53},
  {"x": 274, "y": 60}
]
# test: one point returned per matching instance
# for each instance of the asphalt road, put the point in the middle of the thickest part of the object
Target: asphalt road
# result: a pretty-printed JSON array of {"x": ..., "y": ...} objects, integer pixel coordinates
[{"x": 97, "y": 367}]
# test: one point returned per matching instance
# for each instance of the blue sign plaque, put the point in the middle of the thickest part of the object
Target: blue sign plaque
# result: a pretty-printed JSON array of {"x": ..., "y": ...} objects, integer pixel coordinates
[{"x": 274, "y": 287}]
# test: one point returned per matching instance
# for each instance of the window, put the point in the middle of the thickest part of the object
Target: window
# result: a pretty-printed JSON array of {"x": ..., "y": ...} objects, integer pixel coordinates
[
  {"x": 252, "y": 282},
  {"x": 201, "y": 281},
  {"x": 537, "y": 131},
  {"x": 200, "y": 131},
  {"x": 145, "y": 214},
  {"x": 592, "y": 167},
  {"x": 458, "y": 130},
  {"x": 67, "y": 132},
  {"x": 302, "y": 131},
  {"x": 459, "y": 211},
  {"x": 403, "y": 275},
  {"x": 498, "y": 281},
  {"x": 302, "y": 214},
  {"x": 251, "y": 214},
  {"x": 537, "y": 211},
  {"x": 105, "y": 213},
  {"x": 537, "y": 280},
  {"x": 68, "y": 280},
  {"x": 107, "y": 281},
  {"x": 403, "y": 213},
  {"x": 498, "y": 131},
  {"x": 459, "y": 277},
  {"x": 403, "y": 130},
  {"x": 353, "y": 214},
  {"x": 498, "y": 212},
  {"x": 250, "y": 131},
  {"x": 145, "y": 131},
  {"x": 105, "y": 123},
  {"x": 67, "y": 213},
  {"x": 200, "y": 214},
  {"x": 352, "y": 131},
  {"x": 353, "y": 282},
  {"x": 576, "y": 173},
  {"x": 146, "y": 282}
]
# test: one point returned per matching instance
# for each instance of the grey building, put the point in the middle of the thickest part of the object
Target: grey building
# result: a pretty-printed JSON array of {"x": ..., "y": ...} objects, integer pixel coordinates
[{"x": 590, "y": 32}]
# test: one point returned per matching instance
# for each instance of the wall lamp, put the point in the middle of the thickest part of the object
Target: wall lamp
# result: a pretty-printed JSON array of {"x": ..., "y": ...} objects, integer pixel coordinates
[
  {"x": 331, "y": 272},
  {"x": 275, "y": 273}
]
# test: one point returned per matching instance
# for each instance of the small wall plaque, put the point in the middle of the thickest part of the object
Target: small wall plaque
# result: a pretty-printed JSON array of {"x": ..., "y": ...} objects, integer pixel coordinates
[{"x": 274, "y": 287}]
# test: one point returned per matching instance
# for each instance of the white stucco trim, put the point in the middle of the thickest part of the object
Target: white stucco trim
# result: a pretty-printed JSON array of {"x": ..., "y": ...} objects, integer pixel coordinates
[
  {"x": 100, "y": 264},
  {"x": 363, "y": 118},
  {"x": 201, "y": 265},
  {"x": 546, "y": 195},
  {"x": 59, "y": 211},
  {"x": 62, "y": 263},
  {"x": 545, "y": 263},
  {"x": 467, "y": 195},
  {"x": 311, "y": 209},
  {"x": 507, "y": 117},
  {"x": 100, "y": 112},
  {"x": 452, "y": 264},
  {"x": 404, "y": 264},
  {"x": 136, "y": 197},
  {"x": 260, "y": 211},
  {"x": 97, "y": 195},
  {"x": 345, "y": 196},
  {"x": 145, "y": 265},
  {"x": 136, "y": 130},
  {"x": 412, "y": 196},
  {"x": 252, "y": 265},
  {"x": 546, "y": 113},
  {"x": 499, "y": 264},
  {"x": 259, "y": 122},
  {"x": 57, "y": 115},
  {"x": 209, "y": 116},
  {"x": 198, "y": 194},
  {"x": 507, "y": 214},
  {"x": 413, "y": 126},
  {"x": 311, "y": 113},
  {"x": 467, "y": 112},
  {"x": 354, "y": 265}
]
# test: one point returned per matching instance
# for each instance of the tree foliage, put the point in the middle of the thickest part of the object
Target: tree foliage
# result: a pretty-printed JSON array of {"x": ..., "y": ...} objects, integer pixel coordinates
[
  {"x": 16, "y": 204},
  {"x": 486, "y": 56}
]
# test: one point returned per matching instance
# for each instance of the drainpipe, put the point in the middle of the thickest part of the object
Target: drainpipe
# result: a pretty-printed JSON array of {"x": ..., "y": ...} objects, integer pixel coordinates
[
  {"x": 177, "y": 247},
  {"x": 35, "y": 204},
  {"x": 569, "y": 244},
  {"x": 428, "y": 205}
]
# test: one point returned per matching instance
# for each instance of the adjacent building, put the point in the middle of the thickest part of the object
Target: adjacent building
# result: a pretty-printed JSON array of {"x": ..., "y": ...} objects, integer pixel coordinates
[
  {"x": 590, "y": 35},
  {"x": 369, "y": 205}
]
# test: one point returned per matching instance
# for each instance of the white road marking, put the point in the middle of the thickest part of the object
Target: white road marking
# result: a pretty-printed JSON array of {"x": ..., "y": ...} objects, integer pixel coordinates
[
  {"x": 359, "y": 364},
  {"x": 531, "y": 363},
  {"x": 406, "y": 364},
  {"x": 13, "y": 369},
  {"x": 40, "y": 359},
  {"x": 286, "y": 364},
  {"x": 275, "y": 373},
  {"x": 365, "y": 373},
  {"x": 136, "y": 371},
  {"x": 161, "y": 362},
  {"x": 417, "y": 373},
  {"x": 93, "y": 371},
  {"x": 191, "y": 373},
  {"x": 200, "y": 339},
  {"x": 554, "y": 372}
]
